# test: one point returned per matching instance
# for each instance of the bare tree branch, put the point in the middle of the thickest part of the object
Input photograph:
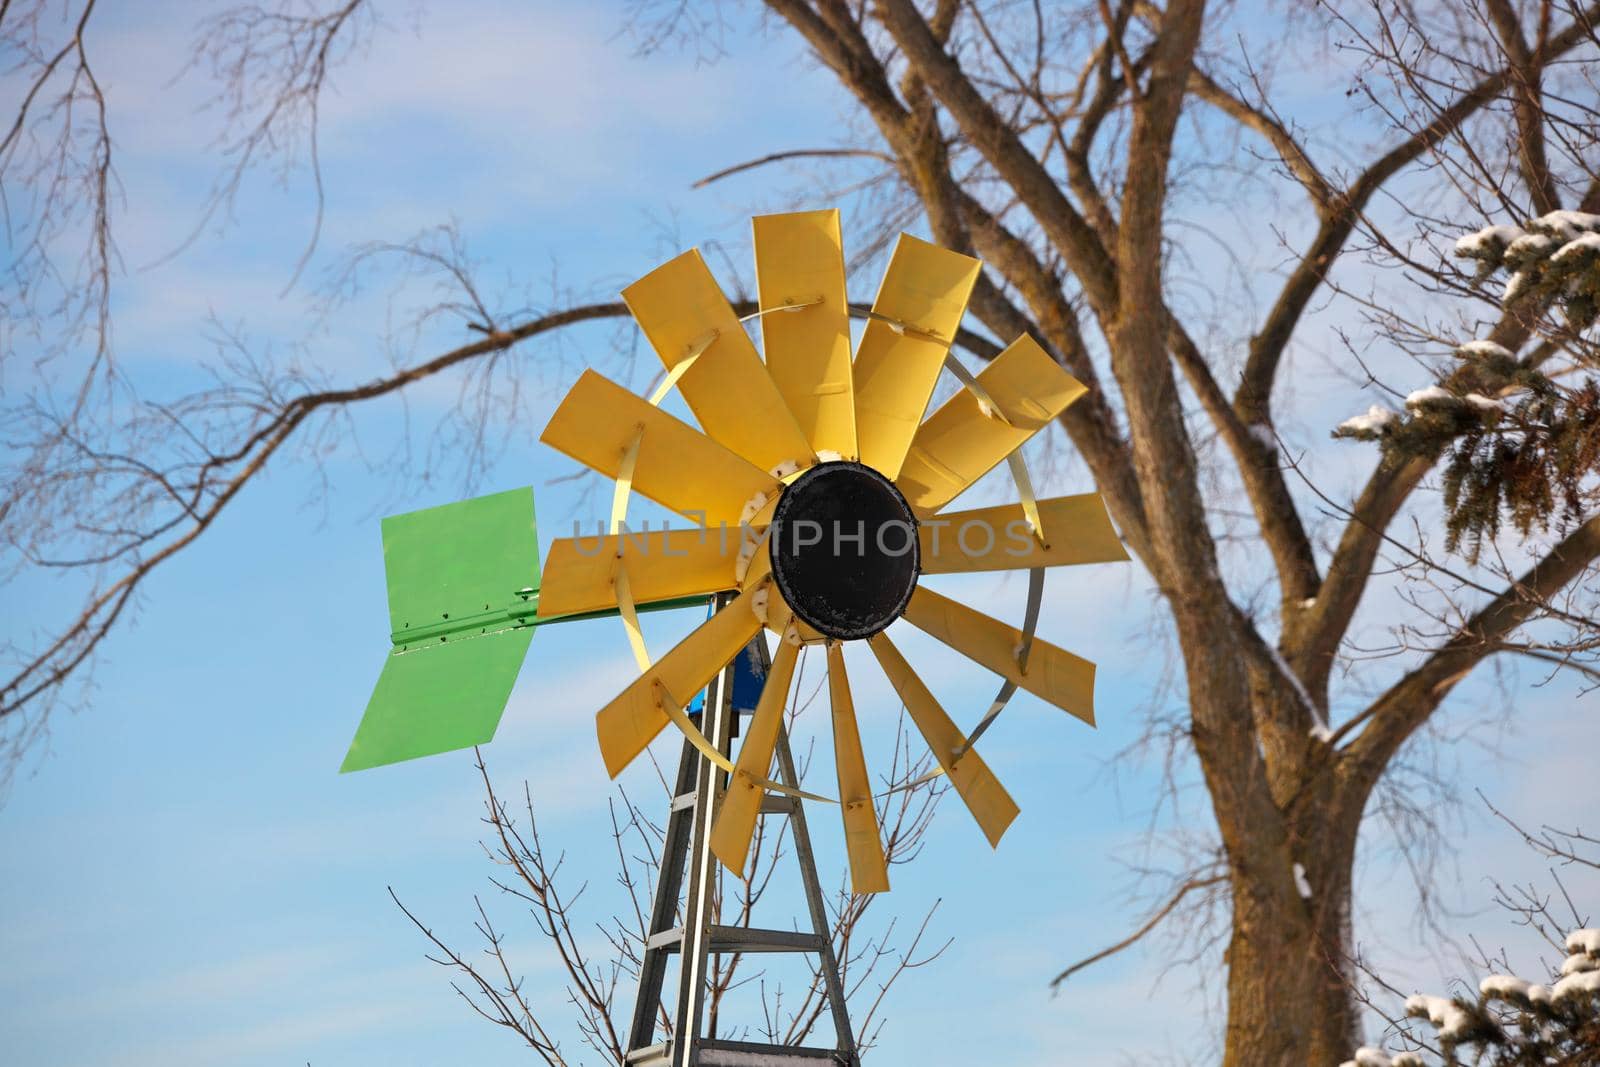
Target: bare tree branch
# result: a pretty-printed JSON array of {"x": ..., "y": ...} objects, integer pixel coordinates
[
  {"x": 1191, "y": 886},
  {"x": 1397, "y": 714},
  {"x": 793, "y": 153}
]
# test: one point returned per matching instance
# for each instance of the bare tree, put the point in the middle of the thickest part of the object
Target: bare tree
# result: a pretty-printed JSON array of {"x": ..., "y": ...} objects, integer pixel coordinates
[
  {"x": 1068, "y": 146},
  {"x": 871, "y": 961}
]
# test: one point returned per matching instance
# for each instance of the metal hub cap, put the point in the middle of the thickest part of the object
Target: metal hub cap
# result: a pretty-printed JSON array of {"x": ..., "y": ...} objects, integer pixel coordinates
[{"x": 844, "y": 550}]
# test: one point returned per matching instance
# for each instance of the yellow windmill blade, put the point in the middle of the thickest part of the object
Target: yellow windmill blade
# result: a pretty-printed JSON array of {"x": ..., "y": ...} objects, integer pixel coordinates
[
  {"x": 677, "y": 465},
  {"x": 962, "y": 440},
  {"x": 843, "y": 541},
  {"x": 976, "y": 784},
  {"x": 682, "y": 311},
  {"x": 869, "y": 868},
  {"x": 631, "y": 721},
  {"x": 661, "y": 565},
  {"x": 1053, "y": 674},
  {"x": 800, "y": 265},
  {"x": 1000, "y": 539},
  {"x": 736, "y": 820},
  {"x": 915, "y": 317}
]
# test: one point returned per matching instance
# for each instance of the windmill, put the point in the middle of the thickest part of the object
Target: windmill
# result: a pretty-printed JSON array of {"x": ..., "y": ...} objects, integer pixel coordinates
[{"x": 818, "y": 495}]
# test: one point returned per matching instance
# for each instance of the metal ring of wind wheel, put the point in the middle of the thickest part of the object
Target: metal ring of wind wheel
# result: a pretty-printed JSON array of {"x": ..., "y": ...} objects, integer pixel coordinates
[{"x": 844, "y": 550}]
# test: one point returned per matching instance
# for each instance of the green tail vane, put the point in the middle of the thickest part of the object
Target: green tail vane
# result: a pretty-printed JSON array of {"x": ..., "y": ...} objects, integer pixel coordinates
[
  {"x": 463, "y": 585},
  {"x": 463, "y": 595}
]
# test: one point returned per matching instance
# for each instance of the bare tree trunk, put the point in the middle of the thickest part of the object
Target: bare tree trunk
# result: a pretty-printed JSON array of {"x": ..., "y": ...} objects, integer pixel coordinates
[{"x": 1289, "y": 992}]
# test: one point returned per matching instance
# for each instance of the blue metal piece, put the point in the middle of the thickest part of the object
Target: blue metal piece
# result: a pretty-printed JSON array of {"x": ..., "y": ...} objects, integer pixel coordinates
[{"x": 749, "y": 676}]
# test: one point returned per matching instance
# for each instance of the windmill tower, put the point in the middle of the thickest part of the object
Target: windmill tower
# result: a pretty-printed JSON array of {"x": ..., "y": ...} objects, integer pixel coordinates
[{"x": 684, "y": 920}]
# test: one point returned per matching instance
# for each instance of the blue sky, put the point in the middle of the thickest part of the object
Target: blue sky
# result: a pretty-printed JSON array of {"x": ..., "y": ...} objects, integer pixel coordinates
[{"x": 184, "y": 879}]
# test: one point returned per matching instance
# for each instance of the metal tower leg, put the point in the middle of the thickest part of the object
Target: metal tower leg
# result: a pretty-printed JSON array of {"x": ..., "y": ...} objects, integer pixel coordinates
[
  {"x": 664, "y": 911},
  {"x": 699, "y": 904},
  {"x": 833, "y": 986},
  {"x": 686, "y": 856}
]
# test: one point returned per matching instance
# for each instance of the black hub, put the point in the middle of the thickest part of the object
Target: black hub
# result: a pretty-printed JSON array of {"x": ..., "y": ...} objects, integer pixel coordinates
[{"x": 844, "y": 550}]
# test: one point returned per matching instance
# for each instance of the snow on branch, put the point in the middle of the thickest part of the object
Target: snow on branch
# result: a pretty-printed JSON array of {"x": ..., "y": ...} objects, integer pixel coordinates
[
  {"x": 1369, "y": 427},
  {"x": 1514, "y": 1021},
  {"x": 1434, "y": 396},
  {"x": 1555, "y": 260}
]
